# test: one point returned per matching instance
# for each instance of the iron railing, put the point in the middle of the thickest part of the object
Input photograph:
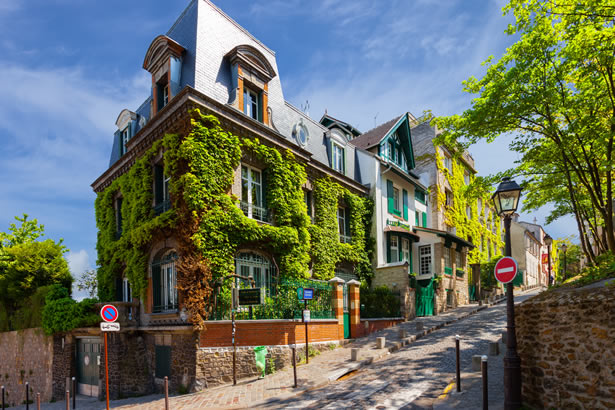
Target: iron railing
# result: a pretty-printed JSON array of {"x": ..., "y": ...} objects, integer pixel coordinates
[
  {"x": 162, "y": 207},
  {"x": 254, "y": 212},
  {"x": 282, "y": 303}
]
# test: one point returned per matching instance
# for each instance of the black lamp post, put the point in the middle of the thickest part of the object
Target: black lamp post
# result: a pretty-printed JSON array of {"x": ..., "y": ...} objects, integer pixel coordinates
[
  {"x": 564, "y": 248},
  {"x": 506, "y": 201},
  {"x": 549, "y": 242}
]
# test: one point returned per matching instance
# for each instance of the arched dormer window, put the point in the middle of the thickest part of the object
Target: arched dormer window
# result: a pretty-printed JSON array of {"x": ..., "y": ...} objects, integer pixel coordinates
[
  {"x": 250, "y": 75},
  {"x": 164, "y": 61},
  {"x": 338, "y": 150},
  {"x": 126, "y": 124}
]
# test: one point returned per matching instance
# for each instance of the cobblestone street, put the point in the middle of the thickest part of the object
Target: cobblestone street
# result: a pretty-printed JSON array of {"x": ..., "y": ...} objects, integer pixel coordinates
[{"x": 411, "y": 376}]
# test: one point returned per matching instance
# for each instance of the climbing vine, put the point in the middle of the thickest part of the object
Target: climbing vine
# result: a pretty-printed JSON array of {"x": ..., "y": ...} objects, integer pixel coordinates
[
  {"x": 485, "y": 233},
  {"x": 209, "y": 226}
]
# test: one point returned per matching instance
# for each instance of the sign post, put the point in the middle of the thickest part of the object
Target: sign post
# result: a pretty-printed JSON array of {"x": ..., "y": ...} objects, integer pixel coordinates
[
  {"x": 308, "y": 294},
  {"x": 505, "y": 270},
  {"x": 109, "y": 314}
]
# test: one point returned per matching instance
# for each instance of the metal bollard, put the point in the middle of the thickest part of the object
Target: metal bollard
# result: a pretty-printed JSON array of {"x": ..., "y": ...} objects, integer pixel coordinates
[
  {"x": 295, "y": 365},
  {"x": 27, "y": 396},
  {"x": 67, "y": 400},
  {"x": 74, "y": 393},
  {"x": 166, "y": 393},
  {"x": 3, "y": 407},
  {"x": 458, "y": 370},
  {"x": 38, "y": 401},
  {"x": 485, "y": 384}
]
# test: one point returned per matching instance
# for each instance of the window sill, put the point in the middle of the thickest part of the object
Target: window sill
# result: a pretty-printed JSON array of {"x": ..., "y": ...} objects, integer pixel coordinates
[{"x": 166, "y": 313}]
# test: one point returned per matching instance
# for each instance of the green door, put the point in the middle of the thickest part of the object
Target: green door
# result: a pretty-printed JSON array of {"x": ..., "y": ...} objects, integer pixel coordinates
[
  {"x": 424, "y": 297},
  {"x": 346, "y": 314},
  {"x": 88, "y": 364}
]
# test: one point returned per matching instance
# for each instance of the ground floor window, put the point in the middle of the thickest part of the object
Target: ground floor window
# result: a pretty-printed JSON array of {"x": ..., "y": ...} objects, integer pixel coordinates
[
  {"x": 394, "y": 249},
  {"x": 405, "y": 250},
  {"x": 257, "y": 267},
  {"x": 164, "y": 278},
  {"x": 425, "y": 260}
]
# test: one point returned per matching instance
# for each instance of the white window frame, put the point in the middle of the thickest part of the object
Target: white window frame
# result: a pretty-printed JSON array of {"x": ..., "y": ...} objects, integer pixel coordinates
[
  {"x": 250, "y": 209},
  {"x": 124, "y": 138},
  {"x": 250, "y": 103},
  {"x": 257, "y": 267},
  {"x": 394, "y": 254},
  {"x": 126, "y": 291},
  {"x": 405, "y": 250},
  {"x": 396, "y": 204},
  {"x": 342, "y": 214},
  {"x": 425, "y": 260},
  {"x": 447, "y": 258},
  {"x": 168, "y": 281},
  {"x": 166, "y": 195},
  {"x": 337, "y": 157}
]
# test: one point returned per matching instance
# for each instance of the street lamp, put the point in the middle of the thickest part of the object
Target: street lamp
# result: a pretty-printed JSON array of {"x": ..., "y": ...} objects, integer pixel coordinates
[
  {"x": 564, "y": 248},
  {"x": 549, "y": 242},
  {"x": 506, "y": 201}
]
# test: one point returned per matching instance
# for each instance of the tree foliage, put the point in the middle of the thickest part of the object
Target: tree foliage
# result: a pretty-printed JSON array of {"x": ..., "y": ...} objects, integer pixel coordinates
[
  {"x": 26, "y": 265},
  {"x": 552, "y": 94}
]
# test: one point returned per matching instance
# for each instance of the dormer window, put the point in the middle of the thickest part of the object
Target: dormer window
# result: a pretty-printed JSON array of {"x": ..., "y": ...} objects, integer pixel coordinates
[
  {"x": 251, "y": 106},
  {"x": 338, "y": 158},
  {"x": 162, "y": 92},
  {"x": 125, "y": 136}
]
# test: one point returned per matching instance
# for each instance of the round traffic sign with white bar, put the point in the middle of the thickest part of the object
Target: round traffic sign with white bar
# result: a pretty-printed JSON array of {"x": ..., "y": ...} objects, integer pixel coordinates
[
  {"x": 109, "y": 313},
  {"x": 505, "y": 270}
]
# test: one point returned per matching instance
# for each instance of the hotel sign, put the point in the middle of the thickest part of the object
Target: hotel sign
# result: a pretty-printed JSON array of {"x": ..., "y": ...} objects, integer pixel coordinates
[{"x": 400, "y": 224}]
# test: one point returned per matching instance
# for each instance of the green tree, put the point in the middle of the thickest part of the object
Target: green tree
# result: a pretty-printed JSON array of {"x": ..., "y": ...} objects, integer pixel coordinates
[
  {"x": 26, "y": 264},
  {"x": 552, "y": 94},
  {"x": 88, "y": 282}
]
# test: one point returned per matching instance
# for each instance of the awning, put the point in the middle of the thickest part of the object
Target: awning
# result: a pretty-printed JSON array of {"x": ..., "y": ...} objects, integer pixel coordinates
[
  {"x": 402, "y": 231},
  {"x": 449, "y": 238}
]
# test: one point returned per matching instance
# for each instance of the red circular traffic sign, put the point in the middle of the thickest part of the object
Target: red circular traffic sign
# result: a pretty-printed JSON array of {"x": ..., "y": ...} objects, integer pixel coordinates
[
  {"x": 109, "y": 313},
  {"x": 506, "y": 269}
]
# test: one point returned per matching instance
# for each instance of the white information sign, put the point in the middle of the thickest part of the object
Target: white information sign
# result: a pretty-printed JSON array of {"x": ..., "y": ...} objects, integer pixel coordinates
[
  {"x": 110, "y": 327},
  {"x": 306, "y": 315}
]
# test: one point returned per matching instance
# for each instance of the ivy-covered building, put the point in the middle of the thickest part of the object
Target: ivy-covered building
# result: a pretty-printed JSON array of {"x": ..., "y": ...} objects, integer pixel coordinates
[
  {"x": 215, "y": 177},
  {"x": 463, "y": 225}
]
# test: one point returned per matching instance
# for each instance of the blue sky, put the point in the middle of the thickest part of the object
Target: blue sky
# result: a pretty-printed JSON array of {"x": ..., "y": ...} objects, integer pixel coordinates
[{"x": 70, "y": 66}]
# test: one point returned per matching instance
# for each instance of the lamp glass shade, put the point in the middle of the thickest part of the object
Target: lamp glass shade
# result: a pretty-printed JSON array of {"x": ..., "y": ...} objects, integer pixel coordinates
[
  {"x": 548, "y": 240},
  {"x": 564, "y": 247},
  {"x": 506, "y": 197}
]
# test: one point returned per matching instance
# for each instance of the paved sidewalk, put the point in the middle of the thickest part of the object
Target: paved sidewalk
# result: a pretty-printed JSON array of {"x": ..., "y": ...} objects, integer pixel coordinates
[{"x": 322, "y": 370}]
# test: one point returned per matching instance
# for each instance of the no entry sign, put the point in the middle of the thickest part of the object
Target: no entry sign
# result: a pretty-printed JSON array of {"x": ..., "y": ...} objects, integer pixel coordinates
[
  {"x": 506, "y": 269},
  {"x": 109, "y": 313}
]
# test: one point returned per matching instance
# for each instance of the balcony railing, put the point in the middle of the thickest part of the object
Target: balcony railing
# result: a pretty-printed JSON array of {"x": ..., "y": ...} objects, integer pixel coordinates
[
  {"x": 162, "y": 207},
  {"x": 345, "y": 238},
  {"x": 255, "y": 212}
]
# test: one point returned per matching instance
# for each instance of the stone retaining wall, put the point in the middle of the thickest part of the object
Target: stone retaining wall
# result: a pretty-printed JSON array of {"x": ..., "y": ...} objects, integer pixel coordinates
[
  {"x": 215, "y": 364},
  {"x": 566, "y": 343},
  {"x": 26, "y": 356}
]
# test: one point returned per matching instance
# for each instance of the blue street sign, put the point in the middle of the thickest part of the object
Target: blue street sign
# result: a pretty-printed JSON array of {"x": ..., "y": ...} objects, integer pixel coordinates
[{"x": 308, "y": 294}]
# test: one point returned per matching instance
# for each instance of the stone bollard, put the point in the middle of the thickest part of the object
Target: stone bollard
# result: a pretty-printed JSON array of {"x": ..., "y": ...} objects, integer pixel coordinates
[
  {"x": 476, "y": 362},
  {"x": 494, "y": 348},
  {"x": 354, "y": 354},
  {"x": 504, "y": 337},
  {"x": 419, "y": 326},
  {"x": 402, "y": 333},
  {"x": 380, "y": 342}
]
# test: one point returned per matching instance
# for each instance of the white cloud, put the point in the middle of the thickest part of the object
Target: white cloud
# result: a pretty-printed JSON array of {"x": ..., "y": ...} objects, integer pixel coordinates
[{"x": 78, "y": 262}]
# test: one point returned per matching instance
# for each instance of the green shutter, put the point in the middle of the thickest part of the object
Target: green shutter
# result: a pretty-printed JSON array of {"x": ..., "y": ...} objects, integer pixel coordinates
[
  {"x": 390, "y": 197},
  {"x": 388, "y": 248},
  {"x": 405, "y": 200},
  {"x": 424, "y": 219},
  {"x": 416, "y": 218}
]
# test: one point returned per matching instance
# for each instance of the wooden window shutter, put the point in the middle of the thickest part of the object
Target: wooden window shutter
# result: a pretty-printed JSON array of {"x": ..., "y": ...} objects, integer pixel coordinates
[
  {"x": 405, "y": 202},
  {"x": 390, "y": 197},
  {"x": 424, "y": 219}
]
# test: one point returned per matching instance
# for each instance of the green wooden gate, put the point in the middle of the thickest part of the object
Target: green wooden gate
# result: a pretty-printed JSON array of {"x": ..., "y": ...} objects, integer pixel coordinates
[
  {"x": 88, "y": 364},
  {"x": 424, "y": 297},
  {"x": 346, "y": 314}
]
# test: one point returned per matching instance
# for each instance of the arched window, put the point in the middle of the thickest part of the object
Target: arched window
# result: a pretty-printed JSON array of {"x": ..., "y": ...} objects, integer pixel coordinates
[
  {"x": 258, "y": 267},
  {"x": 164, "y": 282}
]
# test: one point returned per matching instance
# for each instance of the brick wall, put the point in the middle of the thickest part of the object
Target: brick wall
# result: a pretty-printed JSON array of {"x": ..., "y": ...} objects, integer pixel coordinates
[
  {"x": 396, "y": 278},
  {"x": 26, "y": 356},
  {"x": 566, "y": 341},
  {"x": 269, "y": 332}
]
